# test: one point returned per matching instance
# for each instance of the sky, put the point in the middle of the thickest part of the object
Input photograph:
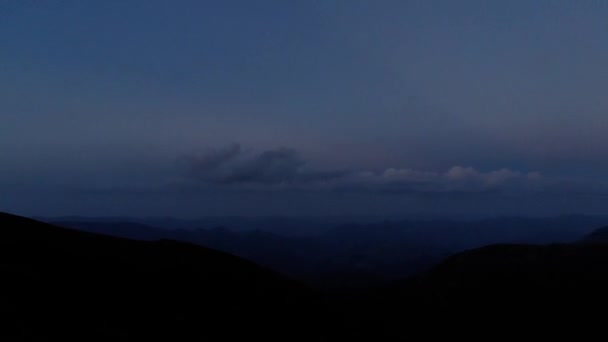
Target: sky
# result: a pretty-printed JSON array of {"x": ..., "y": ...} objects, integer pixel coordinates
[{"x": 193, "y": 108}]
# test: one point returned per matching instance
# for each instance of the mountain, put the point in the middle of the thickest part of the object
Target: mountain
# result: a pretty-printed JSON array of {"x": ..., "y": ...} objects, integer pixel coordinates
[
  {"x": 499, "y": 291},
  {"x": 597, "y": 236},
  {"x": 294, "y": 256},
  {"x": 60, "y": 284},
  {"x": 124, "y": 229},
  {"x": 348, "y": 256}
]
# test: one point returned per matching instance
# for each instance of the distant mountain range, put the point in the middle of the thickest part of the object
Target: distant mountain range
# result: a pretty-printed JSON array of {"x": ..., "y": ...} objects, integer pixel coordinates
[{"x": 349, "y": 255}]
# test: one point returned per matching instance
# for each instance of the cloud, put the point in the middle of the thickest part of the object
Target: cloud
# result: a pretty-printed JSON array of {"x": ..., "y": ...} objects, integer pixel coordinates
[
  {"x": 455, "y": 179},
  {"x": 234, "y": 165},
  {"x": 283, "y": 168}
]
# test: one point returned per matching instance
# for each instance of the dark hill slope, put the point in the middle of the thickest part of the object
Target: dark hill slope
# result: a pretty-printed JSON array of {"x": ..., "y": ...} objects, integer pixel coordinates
[
  {"x": 126, "y": 229},
  {"x": 63, "y": 284},
  {"x": 499, "y": 291},
  {"x": 598, "y": 236}
]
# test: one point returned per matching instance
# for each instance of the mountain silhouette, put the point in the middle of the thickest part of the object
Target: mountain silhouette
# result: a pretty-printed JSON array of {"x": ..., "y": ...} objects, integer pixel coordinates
[
  {"x": 597, "y": 236},
  {"x": 344, "y": 256},
  {"x": 501, "y": 291},
  {"x": 62, "y": 284}
]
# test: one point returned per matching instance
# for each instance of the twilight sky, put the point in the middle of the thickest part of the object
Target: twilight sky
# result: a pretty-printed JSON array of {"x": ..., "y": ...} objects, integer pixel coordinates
[{"x": 389, "y": 108}]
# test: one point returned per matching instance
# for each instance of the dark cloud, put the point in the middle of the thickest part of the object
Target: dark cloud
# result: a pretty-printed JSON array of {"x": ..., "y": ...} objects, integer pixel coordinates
[
  {"x": 284, "y": 168},
  {"x": 234, "y": 165}
]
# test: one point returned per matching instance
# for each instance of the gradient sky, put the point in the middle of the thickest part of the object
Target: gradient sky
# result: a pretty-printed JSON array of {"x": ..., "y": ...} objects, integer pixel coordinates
[{"x": 190, "y": 108}]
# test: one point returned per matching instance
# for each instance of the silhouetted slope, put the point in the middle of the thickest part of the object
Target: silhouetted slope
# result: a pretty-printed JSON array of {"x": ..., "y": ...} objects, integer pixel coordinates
[
  {"x": 63, "y": 284},
  {"x": 293, "y": 256},
  {"x": 598, "y": 236},
  {"x": 129, "y": 230},
  {"x": 499, "y": 290}
]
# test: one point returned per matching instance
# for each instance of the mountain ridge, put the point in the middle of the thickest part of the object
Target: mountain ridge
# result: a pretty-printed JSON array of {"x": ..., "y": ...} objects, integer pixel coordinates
[{"x": 131, "y": 290}]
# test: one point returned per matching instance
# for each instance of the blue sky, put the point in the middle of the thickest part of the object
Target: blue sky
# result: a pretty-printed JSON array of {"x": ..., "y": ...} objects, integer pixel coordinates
[{"x": 477, "y": 107}]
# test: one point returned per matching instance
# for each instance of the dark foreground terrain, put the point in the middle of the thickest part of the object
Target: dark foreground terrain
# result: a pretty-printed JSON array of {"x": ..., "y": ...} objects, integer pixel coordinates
[{"x": 61, "y": 284}]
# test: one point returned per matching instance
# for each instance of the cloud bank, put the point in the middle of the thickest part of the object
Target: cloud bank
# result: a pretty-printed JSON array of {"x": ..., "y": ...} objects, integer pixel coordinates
[{"x": 283, "y": 168}]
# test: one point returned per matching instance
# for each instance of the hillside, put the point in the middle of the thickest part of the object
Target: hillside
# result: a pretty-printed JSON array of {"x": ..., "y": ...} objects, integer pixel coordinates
[
  {"x": 65, "y": 284},
  {"x": 500, "y": 290},
  {"x": 597, "y": 236}
]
